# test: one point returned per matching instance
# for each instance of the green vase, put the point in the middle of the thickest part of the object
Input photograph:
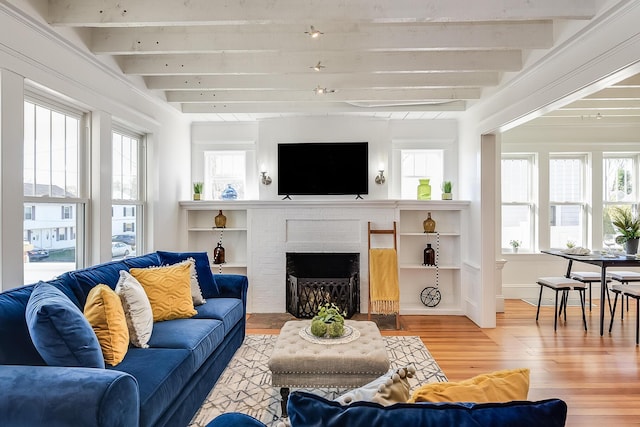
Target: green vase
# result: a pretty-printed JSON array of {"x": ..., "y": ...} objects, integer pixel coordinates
[{"x": 424, "y": 190}]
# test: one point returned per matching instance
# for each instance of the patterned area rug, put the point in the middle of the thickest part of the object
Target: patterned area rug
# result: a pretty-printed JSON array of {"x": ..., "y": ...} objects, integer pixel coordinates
[{"x": 245, "y": 385}]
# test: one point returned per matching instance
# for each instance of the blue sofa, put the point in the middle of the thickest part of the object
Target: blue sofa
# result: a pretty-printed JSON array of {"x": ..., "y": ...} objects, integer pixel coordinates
[
  {"x": 308, "y": 410},
  {"x": 163, "y": 385}
]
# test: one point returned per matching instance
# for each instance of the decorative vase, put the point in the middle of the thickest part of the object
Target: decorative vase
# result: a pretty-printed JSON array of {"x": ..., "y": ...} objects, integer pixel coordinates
[
  {"x": 424, "y": 189},
  {"x": 220, "y": 220},
  {"x": 429, "y": 224},
  {"x": 631, "y": 246},
  {"x": 429, "y": 255},
  {"x": 229, "y": 193},
  {"x": 218, "y": 254},
  {"x": 447, "y": 196}
]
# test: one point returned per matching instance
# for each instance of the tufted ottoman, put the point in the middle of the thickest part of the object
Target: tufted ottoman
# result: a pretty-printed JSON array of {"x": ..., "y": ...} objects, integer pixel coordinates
[{"x": 296, "y": 362}]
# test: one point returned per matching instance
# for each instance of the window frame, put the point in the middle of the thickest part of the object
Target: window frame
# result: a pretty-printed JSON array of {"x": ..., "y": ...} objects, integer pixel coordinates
[{"x": 531, "y": 203}]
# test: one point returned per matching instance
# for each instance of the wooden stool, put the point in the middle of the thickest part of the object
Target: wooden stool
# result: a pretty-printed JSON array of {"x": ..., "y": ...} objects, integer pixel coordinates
[{"x": 563, "y": 284}]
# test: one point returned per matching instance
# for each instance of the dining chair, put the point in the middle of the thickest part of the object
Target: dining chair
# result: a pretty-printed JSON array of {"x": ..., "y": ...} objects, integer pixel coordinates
[
  {"x": 590, "y": 277},
  {"x": 629, "y": 291},
  {"x": 625, "y": 277},
  {"x": 562, "y": 284}
]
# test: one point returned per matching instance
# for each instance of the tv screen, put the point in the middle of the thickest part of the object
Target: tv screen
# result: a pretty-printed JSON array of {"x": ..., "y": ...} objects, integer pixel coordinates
[{"x": 323, "y": 168}]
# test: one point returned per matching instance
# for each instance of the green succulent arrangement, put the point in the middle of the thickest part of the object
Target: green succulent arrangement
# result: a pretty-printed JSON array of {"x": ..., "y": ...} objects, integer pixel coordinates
[{"x": 328, "y": 321}]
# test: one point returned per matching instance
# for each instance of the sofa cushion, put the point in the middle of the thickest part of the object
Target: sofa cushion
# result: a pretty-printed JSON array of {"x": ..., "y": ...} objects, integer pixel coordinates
[
  {"x": 229, "y": 310},
  {"x": 201, "y": 337},
  {"x": 168, "y": 290},
  {"x": 143, "y": 261},
  {"x": 107, "y": 273},
  {"x": 308, "y": 410},
  {"x": 203, "y": 268},
  {"x": 104, "y": 312},
  {"x": 59, "y": 330},
  {"x": 137, "y": 309},
  {"x": 499, "y": 386},
  {"x": 161, "y": 374}
]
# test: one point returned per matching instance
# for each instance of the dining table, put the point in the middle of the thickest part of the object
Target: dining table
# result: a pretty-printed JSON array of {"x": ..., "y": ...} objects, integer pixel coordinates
[{"x": 602, "y": 260}]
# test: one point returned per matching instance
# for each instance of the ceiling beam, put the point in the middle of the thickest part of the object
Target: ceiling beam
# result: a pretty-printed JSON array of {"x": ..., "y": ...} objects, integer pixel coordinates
[
  {"x": 355, "y": 95},
  {"x": 602, "y": 104},
  {"x": 616, "y": 92},
  {"x": 331, "y": 80},
  {"x": 310, "y": 107},
  {"x": 267, "y": 63},
  {"x": 363, "y": 37}
]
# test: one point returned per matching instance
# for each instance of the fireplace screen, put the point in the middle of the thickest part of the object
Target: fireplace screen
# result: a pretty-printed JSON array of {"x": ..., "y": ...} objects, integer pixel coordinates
[{"x": 314, "y": 279}]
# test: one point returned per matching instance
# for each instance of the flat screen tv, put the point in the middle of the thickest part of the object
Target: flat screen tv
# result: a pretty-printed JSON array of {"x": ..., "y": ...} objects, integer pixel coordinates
[{"x": 323, "y": 168}]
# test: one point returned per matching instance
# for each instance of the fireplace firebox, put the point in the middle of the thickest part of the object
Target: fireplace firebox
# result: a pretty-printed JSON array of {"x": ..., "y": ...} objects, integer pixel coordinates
[{"x": 314, "y": 279}]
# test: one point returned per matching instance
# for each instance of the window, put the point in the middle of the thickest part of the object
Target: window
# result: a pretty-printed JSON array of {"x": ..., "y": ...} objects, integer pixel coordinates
[
  {"x": 52, "y": 170},
  {"x": 223, "y": 168},
  {"x": 420, "y": 164},
  {"x": 127, "y": 194},
  {"x": 620, "y": 174},
  {"x": 67, "y": 212},
  {"x": 567, "y": 204},
  {"x": 518, "y": 207}
]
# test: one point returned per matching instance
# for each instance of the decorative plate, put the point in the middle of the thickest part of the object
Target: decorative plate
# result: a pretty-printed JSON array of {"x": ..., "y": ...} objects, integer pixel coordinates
[{"x": 350, "y": 334}]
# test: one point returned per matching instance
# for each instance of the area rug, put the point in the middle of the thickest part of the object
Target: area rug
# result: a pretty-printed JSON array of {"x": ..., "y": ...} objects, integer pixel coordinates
[{"x": 245, "y": 385}]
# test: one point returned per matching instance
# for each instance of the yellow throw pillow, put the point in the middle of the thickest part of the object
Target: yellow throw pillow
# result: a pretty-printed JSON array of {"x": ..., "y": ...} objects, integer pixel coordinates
[
  {"x": 500, "y": 386},
  {"x": 168, "y": 290},
  {"x": 104, "y": 312}
]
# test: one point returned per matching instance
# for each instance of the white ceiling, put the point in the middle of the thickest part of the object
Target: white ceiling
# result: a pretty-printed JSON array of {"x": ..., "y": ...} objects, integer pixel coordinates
[{"x": 403, "y": 59}]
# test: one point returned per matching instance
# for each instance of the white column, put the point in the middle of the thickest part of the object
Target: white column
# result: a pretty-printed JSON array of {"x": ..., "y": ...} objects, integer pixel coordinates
[
  {"x": 99, "y": 217},
  {"x": 11, "y": 178}
]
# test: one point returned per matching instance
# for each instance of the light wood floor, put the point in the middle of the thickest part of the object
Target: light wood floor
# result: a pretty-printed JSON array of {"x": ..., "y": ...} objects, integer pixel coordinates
[{"x": 598, "y": 377}]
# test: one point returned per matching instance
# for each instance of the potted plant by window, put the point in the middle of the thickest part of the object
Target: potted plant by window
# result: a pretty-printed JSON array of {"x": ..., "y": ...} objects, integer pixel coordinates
[
  {"x": 197, "y": 190},
  {"x": 515, "y": 244},
  {"x": 628, "y": 227},
  {"x": 446, "y": 190}
]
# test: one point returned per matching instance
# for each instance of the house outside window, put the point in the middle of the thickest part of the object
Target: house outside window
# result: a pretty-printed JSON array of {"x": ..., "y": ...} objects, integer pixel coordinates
[{"x": 52, "y": 172}]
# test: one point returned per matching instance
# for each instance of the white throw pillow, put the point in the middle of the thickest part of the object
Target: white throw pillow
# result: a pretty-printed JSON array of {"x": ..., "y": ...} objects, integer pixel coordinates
[
  {"x": 196, "y": 292},
  {"x": 137, "y": 309}
]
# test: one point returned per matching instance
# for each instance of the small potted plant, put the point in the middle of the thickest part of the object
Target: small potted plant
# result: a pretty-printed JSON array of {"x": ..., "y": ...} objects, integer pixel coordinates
[
  {"x": 628, "y": 228},
  {"x": 446, "y": 190},
  {"x": 197, "y": 190},
  {"x": 515, "y": 244}
]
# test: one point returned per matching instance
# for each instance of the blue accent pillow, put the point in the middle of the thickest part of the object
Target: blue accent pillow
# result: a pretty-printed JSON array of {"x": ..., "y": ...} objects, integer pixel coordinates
[
  {"x": 59, "y": 330},
  {"x": 308, "y": 410},
  {"x": 203, "y": 269}
]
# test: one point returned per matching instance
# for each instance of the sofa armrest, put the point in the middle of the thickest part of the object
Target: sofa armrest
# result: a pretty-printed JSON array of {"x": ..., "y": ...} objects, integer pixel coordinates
[
  {"x": 58, "y": 396},
  {"x": 231, "y": 286}
]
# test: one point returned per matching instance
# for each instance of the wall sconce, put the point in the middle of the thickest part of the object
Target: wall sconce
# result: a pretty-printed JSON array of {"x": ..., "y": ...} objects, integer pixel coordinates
[
  {"x": 266, "y": 179},
  {"x": 380, "y": 179}
]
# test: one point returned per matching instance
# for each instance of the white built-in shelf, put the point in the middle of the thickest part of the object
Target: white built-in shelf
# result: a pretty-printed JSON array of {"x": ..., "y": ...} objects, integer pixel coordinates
[
  {"x": 423, "y": 234},
  {"x": 429, "y": 267},
  {"x": 216, "y": 229},
  {"x": 409, "y": 309}
]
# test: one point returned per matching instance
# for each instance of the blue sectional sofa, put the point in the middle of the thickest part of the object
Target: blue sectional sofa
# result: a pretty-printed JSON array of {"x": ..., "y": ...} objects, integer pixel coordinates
[{"x": 163, "y": 385}]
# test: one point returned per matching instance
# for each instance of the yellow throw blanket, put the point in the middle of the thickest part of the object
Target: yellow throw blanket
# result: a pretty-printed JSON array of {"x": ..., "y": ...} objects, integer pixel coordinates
[{"x": 383, "y": 281}]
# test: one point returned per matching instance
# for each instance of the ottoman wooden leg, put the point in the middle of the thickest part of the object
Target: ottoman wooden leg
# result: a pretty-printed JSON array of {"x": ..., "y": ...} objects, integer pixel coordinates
[{"x": 284, "y": 392}]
